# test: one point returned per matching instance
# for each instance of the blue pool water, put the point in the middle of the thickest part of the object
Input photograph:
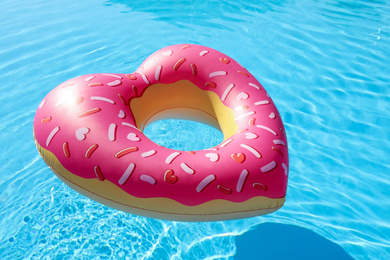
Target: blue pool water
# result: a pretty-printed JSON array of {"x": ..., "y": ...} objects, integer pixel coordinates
[
  {"x": 324, "y": 63},
  {"x": 183, "y": 135}
]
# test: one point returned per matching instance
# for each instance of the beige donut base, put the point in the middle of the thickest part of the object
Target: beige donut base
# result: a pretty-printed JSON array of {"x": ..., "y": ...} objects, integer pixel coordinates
[{"x": 107, "y": 193}]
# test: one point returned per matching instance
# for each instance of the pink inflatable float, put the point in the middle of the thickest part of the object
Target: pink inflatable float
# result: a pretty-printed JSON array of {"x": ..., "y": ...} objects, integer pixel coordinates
[{"x": 89, "y": 131}]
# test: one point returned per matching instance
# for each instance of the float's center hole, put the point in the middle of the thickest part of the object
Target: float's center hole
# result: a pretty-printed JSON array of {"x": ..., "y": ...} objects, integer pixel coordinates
[{"x": 183, "y": 135}]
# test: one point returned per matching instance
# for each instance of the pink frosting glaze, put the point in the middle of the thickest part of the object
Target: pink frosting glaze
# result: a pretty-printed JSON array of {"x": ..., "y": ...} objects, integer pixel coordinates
[{"x": 87, "y": 124}]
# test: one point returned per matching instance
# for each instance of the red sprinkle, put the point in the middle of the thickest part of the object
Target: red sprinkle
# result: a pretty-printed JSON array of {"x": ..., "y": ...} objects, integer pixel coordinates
[
  {"x": 125, "y": 151},
  {"x": 194, "y": 69},
  {"x": 240, "y": 131},
  {"x": 243, "y": 73},
  {"x": 98, "y": 173},
  {"x": 90, "y": 150},
  {"x": 179, "y": 63},
  {"x": 122, "y": 99},
  {"x": 170, "y": 177},
  {"x": 46, "y": 119},
  {"x": 210, "y": 84},
  {"x": 89, "y": 112},
  {"x": 224, "y": 60},
  {"x": 132, "y": 77},
  {"x": 95, "y": 84},
  {"x": 134, "y": 88},
  {"x": 67, "y": 85},
  {"x": 260, "y": 186},
  {"x": 225, "y": 190},
  {"x": 79, "y": 100},
  {"x": 277, "y": 150},
  {"x": 65, "y": 147}
]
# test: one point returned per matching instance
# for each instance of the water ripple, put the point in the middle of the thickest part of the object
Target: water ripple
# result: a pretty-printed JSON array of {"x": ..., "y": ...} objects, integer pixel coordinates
[{"x": 325, "y": 64}]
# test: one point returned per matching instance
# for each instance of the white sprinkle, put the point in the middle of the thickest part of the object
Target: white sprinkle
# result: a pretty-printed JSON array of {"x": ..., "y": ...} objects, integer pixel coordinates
[
  {"x": 147, "y": 178},
  {"x": 267, "y": 128},
  {"x": 81, "y": 133},
  {"x": 268, "y": 167},
  {"x": 262, "y": 102},
  {"x": 112, "y": 132},
  {"x": 167, "y": 53},
  {"x": 144, "y": 78},
  {"x": 276, "y": 141},
  {"x": 227, "y": 91},
  {"x": 89, "y": 78},
  {"x": 42, "y": 103},
  {"x": 214, "y": 157},
  {"x": 112, "y": 75},
  {"x": 251, "y": 136},
  {"x": 158, "y": 72},
  {"x": 114, "y": 83},
  {"x": 242, "y": 95},
  {"x": 245, "y": 115},
  {"x": 241, "y": 180},
  {"x": 130, "y": 125},
  {"x": 226, "y": 142},
  {"x": 272, "y": 115},
  {"x": 285, "y": 169},
  {"x": 133, "y": 137},
  {"x": 171, "y": 157},
  {"x": 252, "y": 150},
  {"x": 148, "y": 153},
  {"x": 126, "y": 174},
  {"x": 187, "y": 168},
  {"x": 60, "y": 102},
  {"x": 253, "y": 85},
  {"x": 217, "y": 73},
  {"x": 202, "y": 53},
  {"x": 206, "y": 181},
  {"x": 121, "y": 114},
  {"x": 239, "y": 108},
  {"x": 149, "y": 63},
  {"x": 51, "y": 135},
  {"x": 103, "y": 99}
]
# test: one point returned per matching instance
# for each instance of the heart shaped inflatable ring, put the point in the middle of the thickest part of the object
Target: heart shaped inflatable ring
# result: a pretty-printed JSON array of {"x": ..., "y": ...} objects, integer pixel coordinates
[{"x": 89, "y": 130}]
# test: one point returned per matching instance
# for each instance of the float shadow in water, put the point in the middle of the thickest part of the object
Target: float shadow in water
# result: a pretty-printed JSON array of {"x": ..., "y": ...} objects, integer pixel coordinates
[{"x": 280, "y": 241}]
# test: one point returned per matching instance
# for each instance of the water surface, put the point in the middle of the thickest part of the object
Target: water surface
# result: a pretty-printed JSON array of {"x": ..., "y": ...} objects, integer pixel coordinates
[{"x": 324, "y": 63}]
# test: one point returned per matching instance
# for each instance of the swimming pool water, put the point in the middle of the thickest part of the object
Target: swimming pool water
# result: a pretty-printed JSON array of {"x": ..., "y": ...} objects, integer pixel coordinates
[
  {"x": 324, "y": 63},
  {"x": 184, "y": 135}
]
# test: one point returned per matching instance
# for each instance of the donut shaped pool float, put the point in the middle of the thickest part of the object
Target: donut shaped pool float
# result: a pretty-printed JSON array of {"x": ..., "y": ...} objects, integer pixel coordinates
[{"x": 89, "y": 130}]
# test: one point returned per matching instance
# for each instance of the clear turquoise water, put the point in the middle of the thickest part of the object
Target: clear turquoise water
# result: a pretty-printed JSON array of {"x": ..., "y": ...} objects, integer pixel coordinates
[
  {"x": 183, "y": 135},
  {"x": 324, "y": 63}
]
